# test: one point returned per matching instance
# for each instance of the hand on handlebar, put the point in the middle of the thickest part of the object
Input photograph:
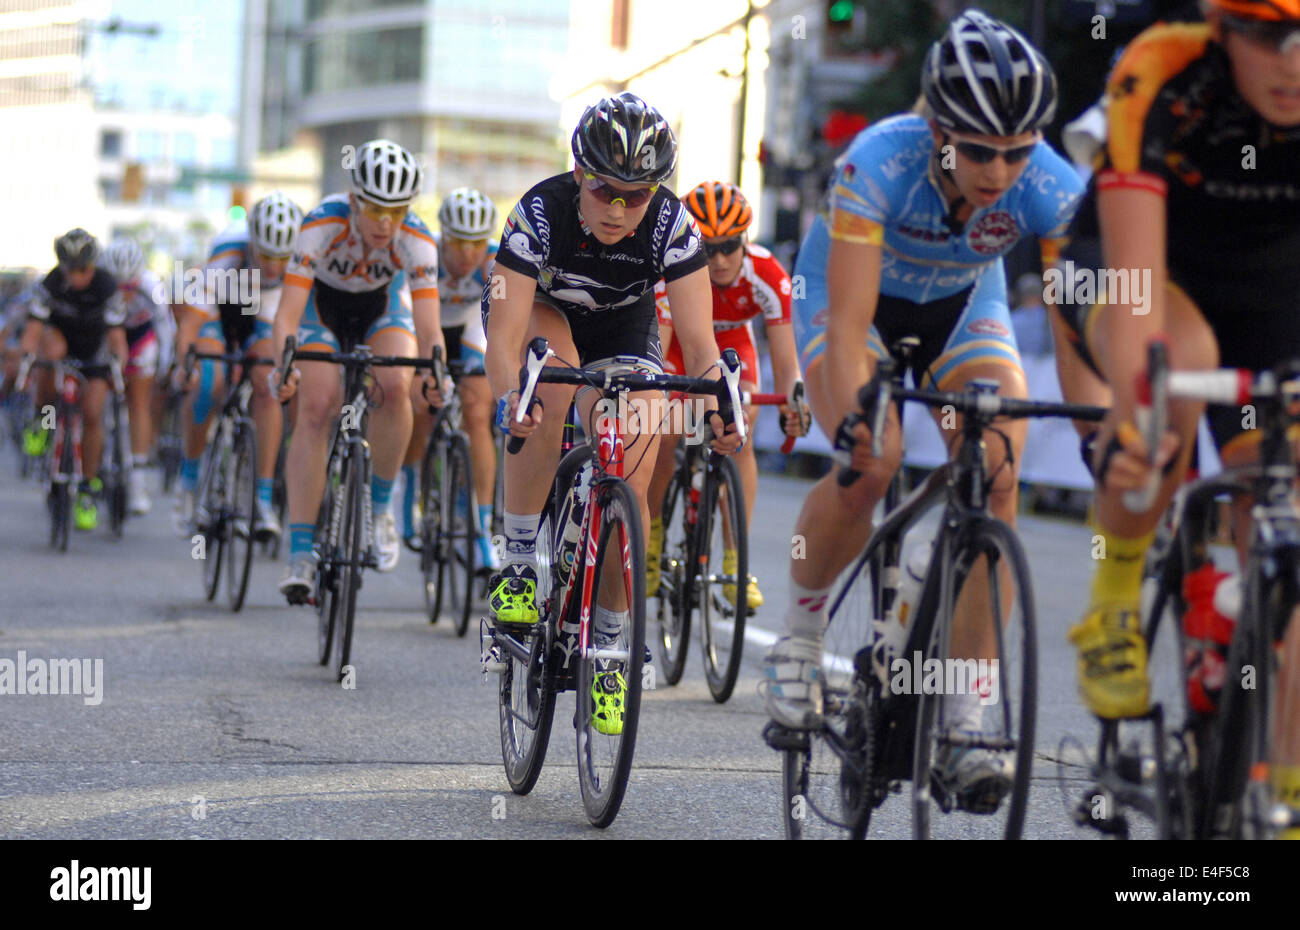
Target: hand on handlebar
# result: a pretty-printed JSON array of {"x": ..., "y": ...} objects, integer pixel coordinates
[
  {"x": 725, "y": 441},
  {"x": 283, "y": 393},
  {"x": 1123, "y": 461}
]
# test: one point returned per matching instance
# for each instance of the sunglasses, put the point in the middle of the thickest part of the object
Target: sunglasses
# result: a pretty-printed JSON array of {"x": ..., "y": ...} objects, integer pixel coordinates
[
  {"x": 725, "y": 247},
  {"x": 375, "y": 212},
  {"x": 983, "y": 154},
  {"x": 266, "y": 258},
  {"x": 455, "y": 242},
  {"x": 1277, "y": 35},
  {"x": 608, "y": 193}
]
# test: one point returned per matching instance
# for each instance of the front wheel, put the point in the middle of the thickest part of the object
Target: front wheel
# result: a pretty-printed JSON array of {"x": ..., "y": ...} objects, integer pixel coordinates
[
  {"x": 243, "y": 511},
  {"x": 722, "y": 582},
  {"x": 609, "y": 675},
  {"x": 431, "y": 473},
  {"x": 456, "y": 549},
  {"x": 212, "y": 504},
  {"x": 974, "y": 745},
  {"x": 116, "y": 486},
  {"x": 352, "y": 544}
]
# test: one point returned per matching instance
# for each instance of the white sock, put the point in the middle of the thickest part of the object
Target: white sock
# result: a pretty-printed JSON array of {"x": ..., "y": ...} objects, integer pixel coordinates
[
  {"x": 607, "y": 624},
  {"x": 805, "y": 618},
  {"x": 521, "y": 538}
]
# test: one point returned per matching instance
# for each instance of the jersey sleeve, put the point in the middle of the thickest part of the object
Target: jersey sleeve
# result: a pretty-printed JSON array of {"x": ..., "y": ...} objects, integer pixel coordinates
[
  {"x": 115, "y": 309},
  {"x": 1055, "y": 191},
  {"x": 526, "y": 240},
  {"x": 319, "y": 230},
  {"x": 771, "y": 287},
  {"x": 859, "y": 204},
  {"x": 38, "y": 307},
  {"x": 682, "y": 251},
  {"x": 1136, "y": 126},
  {"x": 419, "y": 259},
  {"x": 662, "y": 311}
]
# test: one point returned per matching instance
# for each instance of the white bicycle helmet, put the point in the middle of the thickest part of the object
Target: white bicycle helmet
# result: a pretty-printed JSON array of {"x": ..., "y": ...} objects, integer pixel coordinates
[
  {"x": 386, "y": 174},
  {"x": 467, "y": 214},
  {"x": 124, "y": 260},
  {"x": 273, "y": 225}
]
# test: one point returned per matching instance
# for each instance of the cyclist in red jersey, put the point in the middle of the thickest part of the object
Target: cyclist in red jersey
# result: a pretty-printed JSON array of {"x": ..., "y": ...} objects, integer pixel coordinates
[{"x": 747, "y": 282}]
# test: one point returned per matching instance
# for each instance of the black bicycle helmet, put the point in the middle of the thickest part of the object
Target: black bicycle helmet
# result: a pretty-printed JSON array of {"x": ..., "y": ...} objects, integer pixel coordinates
[
  {"x": 626, "y": 139},
  {"x": 76, "y": 248},
  {"x": 984, "y": 77}
]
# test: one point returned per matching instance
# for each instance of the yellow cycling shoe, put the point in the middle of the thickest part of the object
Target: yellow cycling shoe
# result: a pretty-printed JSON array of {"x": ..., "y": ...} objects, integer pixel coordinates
[
  {"x": 1112, "y": 662},
  {"x": 753, "y": 596},
  {"x": 514, "y": 595},
  {"x": 653, "y": 550},
  {"x": 608, "y": 703}
]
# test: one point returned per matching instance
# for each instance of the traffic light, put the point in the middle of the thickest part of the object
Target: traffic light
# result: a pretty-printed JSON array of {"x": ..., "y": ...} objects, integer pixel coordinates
[
  {"x": 238, "y": 197},
  {"x": 845, "y": 27},
  {"x": 132, "y": 182}
]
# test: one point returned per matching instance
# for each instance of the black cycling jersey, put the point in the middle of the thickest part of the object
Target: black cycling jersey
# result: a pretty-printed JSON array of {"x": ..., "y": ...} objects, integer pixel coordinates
[
  {"x": 84, "y": 317},
  {"x": 546, "y": 239}
]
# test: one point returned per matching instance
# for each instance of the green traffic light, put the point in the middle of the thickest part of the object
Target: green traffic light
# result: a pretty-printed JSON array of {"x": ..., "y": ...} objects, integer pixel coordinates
[
  {"x": 841, "y": 11},
  {"x": 236, "y": 214}
]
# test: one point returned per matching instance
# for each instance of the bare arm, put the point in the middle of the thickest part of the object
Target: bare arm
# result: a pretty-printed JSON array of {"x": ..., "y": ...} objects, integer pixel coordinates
[{"x": 853, "y": 284}]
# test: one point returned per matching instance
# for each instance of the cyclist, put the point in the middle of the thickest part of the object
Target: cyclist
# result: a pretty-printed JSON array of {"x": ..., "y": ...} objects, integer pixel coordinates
[
  {"x": 76, "y": 312},
  {"x": 148, "y": 335},
  {"x": 577, "y": 265},
  {"x": 465, "y": 220},
  {"x": 238, "y": 321},
  {"x": 922, "y": 207},
  {"x": 1196, "y": 185},
  {"x": 748, "y": 282},
  {"x": 346, "y": 283}
]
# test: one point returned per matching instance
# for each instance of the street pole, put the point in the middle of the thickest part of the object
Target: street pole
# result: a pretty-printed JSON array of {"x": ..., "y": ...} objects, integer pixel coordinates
[{"x": 744, "y": 95}]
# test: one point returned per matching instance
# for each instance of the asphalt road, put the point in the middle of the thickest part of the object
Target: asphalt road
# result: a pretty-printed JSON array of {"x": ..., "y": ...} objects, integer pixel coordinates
[{"x": 213, "y": 724}]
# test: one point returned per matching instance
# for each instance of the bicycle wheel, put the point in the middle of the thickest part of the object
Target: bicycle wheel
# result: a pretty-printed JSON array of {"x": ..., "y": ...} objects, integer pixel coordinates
[
  {"x": 327, "y": 545},
  {"x": 169, "y": 442},
  {"x": 212, "y": 502},
  {"x": 723, "y": 608},
  {"x": 115, "y": 486},
  {"x": 605, "y": 759},
  {"x": 431, "y": 472},
  {"x": 352, "y": 550},
  {"x": 243, "y": 509},
  {"x": 671, "y": 611},
  {"x": 967, "y": 707},
  {"x": 830, "y": 782},
  {"x": 456, "y": 548},
  {"x": 61, "y": 478}
]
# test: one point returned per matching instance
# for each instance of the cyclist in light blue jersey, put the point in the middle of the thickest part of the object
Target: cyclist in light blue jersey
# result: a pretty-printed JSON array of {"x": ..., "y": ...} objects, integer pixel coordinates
[{"x": 921, "y": 209}]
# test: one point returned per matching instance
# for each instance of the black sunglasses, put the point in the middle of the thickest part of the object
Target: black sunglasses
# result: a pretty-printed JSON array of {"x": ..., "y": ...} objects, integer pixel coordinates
[
  {"x": 1274, "y": 34},
  {"x": 983, "y": 154},
  {"x": 725, "y": 247}
]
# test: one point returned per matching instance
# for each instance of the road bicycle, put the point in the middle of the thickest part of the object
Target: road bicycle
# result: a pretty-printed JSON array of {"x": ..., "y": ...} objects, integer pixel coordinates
[
  {"x": 344, "y": 527},
  {"x": 1205, "y": 774},
  {"x": 887, "y": 716},
  {"x": 448, "y": 509},
  {"x": 226, "y": 503},
  {"x": 590, "y": 541},
  {"x": 703, "y": 517},
  {"x": 170, "y": 436}
]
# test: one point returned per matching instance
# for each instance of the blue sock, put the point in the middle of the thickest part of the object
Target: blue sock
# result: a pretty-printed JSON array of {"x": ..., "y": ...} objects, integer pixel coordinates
[
  {"x": 300, "y": 537},
  {"x": 485, "y": 520},
  {"x": 189, "y": 474},
  {"x": 264, "y": 487},
  {"x": 408, "y": 500},
  {"x": 381, "y": 493}
]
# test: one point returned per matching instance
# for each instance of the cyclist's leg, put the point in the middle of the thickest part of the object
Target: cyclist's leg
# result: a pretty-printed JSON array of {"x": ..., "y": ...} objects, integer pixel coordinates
[
  {"x": 665, "y": 462},
  {"x": 198, "y": 407},
  {"x": 1112, "y": 653},
  {"x": 267, "y": 422},
  {"x": 319, "y": 397},
  {"x": 141, "y": 369},
  {"x": 391, "y": 421},
  {"x": 513, "y": 594},
  {"x": 832, "y": 527}
]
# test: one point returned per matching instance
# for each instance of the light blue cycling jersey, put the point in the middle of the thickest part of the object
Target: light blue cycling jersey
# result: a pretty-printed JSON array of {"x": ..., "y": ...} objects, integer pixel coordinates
[
  {"x": 884, "y": 178},
  {"x": 460, "y": 300}
]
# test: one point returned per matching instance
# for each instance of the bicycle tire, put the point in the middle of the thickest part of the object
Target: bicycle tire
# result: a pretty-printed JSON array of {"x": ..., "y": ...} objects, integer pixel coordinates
[
  {"x": 61, "y": 482},
  {"x": 353, "y": 543},
  {"x": 605, "y": 760},
  {"x": 1016, "y": 651},
  {"x": 524, "y": 747},
  {"x": 671, "y": 613},
  {"x": 431, "y": 470},
  {"x": 212, "y": 500},
  {"x": 239, "y": 525},
  {"x": 116, "y": 485},
  {"x": 169, "y": 442},
  {"x": 327, "y": 546},
  {"x": 459, "y": 536},
  {"x": 722, "y": 648}
]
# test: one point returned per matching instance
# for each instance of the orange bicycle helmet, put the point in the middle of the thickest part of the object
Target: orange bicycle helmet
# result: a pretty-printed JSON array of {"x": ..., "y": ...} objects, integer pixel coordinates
[
  {"x": 1272, "y": 10},
  {"x": 720, "y": 208}
]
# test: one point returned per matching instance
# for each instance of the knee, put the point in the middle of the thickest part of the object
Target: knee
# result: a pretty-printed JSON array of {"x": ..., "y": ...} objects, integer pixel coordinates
[{"x": 395, "y": 385}]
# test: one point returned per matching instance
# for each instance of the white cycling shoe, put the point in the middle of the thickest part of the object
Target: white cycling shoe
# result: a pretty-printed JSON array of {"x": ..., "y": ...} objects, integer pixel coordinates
[{"x": 388, "y": 544}]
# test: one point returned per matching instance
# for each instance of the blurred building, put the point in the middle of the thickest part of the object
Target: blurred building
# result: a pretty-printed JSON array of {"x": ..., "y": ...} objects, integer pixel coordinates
[{"x": 464, "y": 84}]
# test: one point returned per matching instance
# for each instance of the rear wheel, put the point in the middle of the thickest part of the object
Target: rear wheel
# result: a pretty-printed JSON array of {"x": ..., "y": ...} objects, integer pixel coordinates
[
  {"x": 456, "y": 564},
  {"x": 672, "y": 613},
  {"x": 721, "y": 594},
  {"x": 605, "y": 748},
  {"x": 992, "y": 709},
  {"x": 243, "y": 511}
]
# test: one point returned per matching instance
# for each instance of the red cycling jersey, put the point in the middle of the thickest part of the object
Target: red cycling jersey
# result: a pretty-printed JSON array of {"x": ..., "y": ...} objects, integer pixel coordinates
[{"x": 762, "y": 287}]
